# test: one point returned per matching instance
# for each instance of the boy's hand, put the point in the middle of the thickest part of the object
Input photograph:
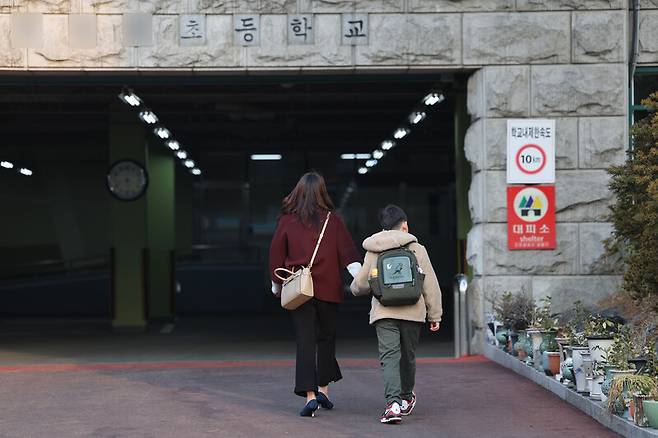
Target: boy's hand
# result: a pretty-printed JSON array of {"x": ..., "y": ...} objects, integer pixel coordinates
[{"x": 434, "y": 326}]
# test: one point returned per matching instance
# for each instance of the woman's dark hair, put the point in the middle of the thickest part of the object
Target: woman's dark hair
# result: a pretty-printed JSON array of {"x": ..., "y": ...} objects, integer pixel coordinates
[
  {"x": 308, "y": 199},
  {"x": 391, "y": 217}
]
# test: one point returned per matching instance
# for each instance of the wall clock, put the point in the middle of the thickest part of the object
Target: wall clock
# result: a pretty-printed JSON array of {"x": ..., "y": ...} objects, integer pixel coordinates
[{"x": 127, "y": 180}]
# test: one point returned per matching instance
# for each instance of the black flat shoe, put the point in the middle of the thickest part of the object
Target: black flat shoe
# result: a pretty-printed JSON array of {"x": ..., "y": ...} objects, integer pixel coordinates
[
  {"x": 324, "y": 401},
  {"x": 309, "y": 409}
]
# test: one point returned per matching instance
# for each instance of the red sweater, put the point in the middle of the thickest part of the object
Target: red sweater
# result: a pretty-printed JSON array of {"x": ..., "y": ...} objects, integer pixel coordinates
[{"x": 293, "y": 244}]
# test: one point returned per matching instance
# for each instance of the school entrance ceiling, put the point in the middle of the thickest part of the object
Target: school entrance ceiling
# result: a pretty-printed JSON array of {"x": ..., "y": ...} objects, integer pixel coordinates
[{"x": 220, "y": 117}]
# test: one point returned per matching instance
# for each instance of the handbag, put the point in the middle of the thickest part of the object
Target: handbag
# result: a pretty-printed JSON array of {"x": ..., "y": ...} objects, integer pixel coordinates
[{"x": 298, "y": 285}]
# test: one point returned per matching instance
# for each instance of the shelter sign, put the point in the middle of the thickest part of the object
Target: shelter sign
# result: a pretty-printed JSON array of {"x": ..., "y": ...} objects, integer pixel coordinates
[
  {"x": 530, "y": 151},
  {"x": 531, "y": 217}
]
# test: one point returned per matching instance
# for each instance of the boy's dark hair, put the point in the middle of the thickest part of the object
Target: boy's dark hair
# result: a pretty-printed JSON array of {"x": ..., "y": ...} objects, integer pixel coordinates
[{"x": 391, "y": 217}]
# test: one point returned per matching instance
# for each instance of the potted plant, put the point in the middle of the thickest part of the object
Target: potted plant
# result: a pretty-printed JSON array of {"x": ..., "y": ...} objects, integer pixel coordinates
[
  {"x": 643, "y": 337},
  {"x": 600, "y": 332},
  {"x": 598, "y": 376},
  {"x": 543, "y": 330},
  {"x": 650, "y": 409},
  {"x": 624, "y": 386},
  {"x": 520, "y": 317}
]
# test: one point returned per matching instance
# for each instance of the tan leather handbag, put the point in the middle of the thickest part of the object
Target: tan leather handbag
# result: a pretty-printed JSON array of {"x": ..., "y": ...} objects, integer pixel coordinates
[{"x": 298, "y": 285}]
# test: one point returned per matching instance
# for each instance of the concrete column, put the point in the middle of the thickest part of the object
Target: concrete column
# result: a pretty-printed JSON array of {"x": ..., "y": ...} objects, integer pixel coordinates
[
  {"x": 462, "y": 181},
  {"x": 160, "y": 218},
  {"x": 128, "y": 227}
]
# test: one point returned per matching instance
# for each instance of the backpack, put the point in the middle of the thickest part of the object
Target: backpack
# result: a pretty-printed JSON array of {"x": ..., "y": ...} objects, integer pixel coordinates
[{"x": 397, "y": 280}]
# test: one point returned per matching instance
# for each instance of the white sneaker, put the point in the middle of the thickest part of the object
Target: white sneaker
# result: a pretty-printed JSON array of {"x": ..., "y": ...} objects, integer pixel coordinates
[
  {"x": 408, "y": 405},
  {"x": 392, "y": 414}
]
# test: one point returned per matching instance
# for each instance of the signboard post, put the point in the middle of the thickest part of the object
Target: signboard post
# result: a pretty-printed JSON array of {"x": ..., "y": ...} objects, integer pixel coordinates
[
  {"x": 530, "y": 151},
  {"x": 531, "y": 217}
]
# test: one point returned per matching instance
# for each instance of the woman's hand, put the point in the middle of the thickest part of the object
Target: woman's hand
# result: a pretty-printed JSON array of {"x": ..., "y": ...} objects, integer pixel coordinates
[
  {"x": 434, "y": 326},
  {"x": 276, "y": 289}
]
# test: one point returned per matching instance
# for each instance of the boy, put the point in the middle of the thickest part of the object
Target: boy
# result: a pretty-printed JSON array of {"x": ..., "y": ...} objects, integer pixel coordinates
[{"x": 398, "y": 327}]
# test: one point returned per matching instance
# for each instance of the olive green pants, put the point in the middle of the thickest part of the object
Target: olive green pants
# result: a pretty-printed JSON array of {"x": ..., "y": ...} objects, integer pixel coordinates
[{"x": 398, "y": 340}]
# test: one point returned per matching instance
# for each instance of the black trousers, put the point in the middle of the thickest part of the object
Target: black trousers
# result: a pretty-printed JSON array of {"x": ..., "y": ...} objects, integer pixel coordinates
[{"x": 315, "y": 332}]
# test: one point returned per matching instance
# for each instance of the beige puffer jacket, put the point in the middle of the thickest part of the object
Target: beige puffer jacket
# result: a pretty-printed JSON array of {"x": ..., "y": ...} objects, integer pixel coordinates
[{"x": 428, "y": 308}]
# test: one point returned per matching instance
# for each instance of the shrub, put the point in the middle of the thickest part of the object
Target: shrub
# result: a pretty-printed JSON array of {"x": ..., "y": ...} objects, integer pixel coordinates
[{"x": 635, "y": 212}]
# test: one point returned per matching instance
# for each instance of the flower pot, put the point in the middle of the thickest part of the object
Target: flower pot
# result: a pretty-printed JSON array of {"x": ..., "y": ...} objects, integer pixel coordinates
[
  {"x": 650, "y": 408},
  {"x": 588, "y": 368},
  {"x": 501, "y": 338},
  {"x": 599, "y": 347},
  {"x": 637, "y": 410},
  {"x": 520, "y": 345},
  {"x": 551, "y": 363},
  {"x": 513, "y": 338},
  {"x": 567, "y": 370},
  {"x": 562, "y": 343},
  {"x": 536, "y": 338},
  {"x": 578, "y": 371},
  {"x": 595, "y": 393}
]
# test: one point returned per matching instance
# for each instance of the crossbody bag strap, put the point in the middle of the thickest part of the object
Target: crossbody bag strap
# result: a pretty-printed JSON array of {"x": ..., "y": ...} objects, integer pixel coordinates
[{"x": 324, "y": 227}]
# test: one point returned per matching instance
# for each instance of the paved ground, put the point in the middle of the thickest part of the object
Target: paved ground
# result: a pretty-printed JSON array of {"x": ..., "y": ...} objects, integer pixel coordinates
[{"x": 59, "y": 385}]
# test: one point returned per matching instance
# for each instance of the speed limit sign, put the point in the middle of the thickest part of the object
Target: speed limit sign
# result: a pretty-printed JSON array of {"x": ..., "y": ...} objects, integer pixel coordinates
[{"x": 530, "y": 151}]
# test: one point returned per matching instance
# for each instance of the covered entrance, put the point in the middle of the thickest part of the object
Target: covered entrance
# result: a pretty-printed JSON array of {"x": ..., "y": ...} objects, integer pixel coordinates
[{"x": 377, "y": 139}]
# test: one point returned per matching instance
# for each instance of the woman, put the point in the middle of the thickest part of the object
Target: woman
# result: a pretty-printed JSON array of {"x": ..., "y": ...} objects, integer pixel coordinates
[{"x": 304, "y": 212}]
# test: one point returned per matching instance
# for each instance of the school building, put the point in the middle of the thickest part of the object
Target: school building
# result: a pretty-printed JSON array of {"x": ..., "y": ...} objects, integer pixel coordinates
[{"x": 147, "y": 144}]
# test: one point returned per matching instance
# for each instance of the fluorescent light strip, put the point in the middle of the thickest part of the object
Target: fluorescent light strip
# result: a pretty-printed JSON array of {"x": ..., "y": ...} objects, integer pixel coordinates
[
  {"x": 417, "y": 117},
  {"x": 162, "y": 132},
  {"x": 266, "y": 157},
  {"x": 181, "y": 154},
  {"x": 189, "y": 164},
  {"x": 387, "y": 145},
  {"x": 148, "y": 117},
  {"x": 401, "y": 133},
  {"x": 26, "y": 172},
  {"x": 371, "y": 163},
  {"x": 196, "y": 171},
  {"x": 363, "y": 170},
  {"x": 173, "y": 145},
  {"x": 130, "y": 98},
  {"x": 433, "y": 98},
  {"x": 377, "y": 154},
  {"x": 7, "y": 164},
  {"x": 355, "y": 156}
]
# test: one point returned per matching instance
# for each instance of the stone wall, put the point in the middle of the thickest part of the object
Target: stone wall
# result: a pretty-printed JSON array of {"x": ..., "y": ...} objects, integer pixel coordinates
[
  {"x": 451, "y": 34},
  {"x": 562, "y": 59}
]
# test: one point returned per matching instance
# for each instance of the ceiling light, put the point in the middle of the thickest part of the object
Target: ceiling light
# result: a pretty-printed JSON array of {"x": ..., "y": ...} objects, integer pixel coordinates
[
  {"x": 148, "y": 117},
  {"x": 130, "y": 98},
  {"x": 363, "y": 170},
  {"x": 162, "y": 132},
  {"x": 433, "y": 98},
  {"x": 173, "y": 145},
  {"x": 7, "y": 164},
  {"x": 387, "y": 144},
  {"x": 355, "y": 156},
  {"x": 181, "y": 154},
  {"x": 377, "y": 154},
  {"x": 417, "y": 117},
  {"x": 371, "y": 163},
  {"x": 189, "y": 164},
  {"x": 26, "y": 172},
  {"x": 196, "y": 171},
  {"x": 266, "y": 157},
  {"x": 401, "y": 133}
]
